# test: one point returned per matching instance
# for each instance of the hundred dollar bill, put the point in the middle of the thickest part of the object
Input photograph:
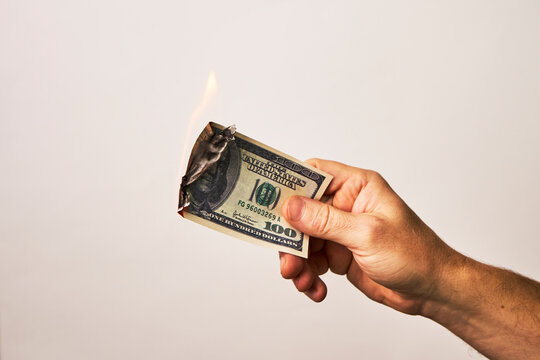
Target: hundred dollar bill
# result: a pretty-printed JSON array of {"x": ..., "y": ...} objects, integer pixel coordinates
[{"x": 236, "y": 185}]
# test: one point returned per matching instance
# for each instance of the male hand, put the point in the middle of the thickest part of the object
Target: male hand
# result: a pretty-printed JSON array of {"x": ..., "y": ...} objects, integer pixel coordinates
[{"x": 366, "y": 231}]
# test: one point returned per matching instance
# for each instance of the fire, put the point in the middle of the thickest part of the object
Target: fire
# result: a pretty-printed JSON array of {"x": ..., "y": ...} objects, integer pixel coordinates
[{"x": 196, "y": 117}]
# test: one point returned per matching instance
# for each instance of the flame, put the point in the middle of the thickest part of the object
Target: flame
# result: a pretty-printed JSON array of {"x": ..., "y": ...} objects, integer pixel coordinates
[{"x": 208, "y": 97}]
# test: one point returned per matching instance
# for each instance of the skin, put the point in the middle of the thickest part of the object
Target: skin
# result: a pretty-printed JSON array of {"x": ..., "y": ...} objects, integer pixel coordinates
[{"x": 365, "y": 231}]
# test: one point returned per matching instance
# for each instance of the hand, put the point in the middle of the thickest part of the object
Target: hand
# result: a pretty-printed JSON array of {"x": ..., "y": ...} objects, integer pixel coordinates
[{"x": 366, "y": 231}]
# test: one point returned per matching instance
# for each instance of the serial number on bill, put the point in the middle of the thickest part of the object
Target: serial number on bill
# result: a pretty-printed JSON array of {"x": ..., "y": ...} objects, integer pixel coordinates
[{"x": 258, "y": 210}]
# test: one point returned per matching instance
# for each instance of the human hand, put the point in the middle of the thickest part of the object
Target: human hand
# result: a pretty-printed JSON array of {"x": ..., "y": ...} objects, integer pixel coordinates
[{"x": 366, "y": 231}]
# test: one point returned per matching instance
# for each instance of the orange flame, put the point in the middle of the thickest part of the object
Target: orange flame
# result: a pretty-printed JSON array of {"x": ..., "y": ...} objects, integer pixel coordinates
[{"x": 208, "y": 97}]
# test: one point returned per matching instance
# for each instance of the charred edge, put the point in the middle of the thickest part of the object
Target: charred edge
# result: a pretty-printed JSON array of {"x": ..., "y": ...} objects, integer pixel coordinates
[{"x": 204, "y": 154}]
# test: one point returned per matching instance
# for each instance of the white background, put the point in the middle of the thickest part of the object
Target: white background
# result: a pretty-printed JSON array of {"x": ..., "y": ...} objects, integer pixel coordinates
[{"x": 441, "y": 97}]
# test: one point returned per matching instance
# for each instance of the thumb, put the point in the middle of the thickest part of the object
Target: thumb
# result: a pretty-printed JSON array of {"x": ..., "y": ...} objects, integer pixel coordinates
[{"x": 322, "y": 220}]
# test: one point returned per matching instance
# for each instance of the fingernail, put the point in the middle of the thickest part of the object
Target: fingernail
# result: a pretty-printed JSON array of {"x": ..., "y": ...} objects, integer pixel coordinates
[{"x": 295, "y": 208}]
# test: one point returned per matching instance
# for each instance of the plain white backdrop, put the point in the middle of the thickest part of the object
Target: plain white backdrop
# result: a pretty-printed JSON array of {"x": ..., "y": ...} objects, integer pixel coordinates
[{"x": 441, "y": 97}]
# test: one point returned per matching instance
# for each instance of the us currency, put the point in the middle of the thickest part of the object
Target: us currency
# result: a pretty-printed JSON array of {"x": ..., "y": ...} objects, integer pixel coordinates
[{"x": 237, "y": 185}]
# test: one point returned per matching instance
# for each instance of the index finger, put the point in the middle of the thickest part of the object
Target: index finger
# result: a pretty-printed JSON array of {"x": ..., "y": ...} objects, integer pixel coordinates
[{"x": 339, "y": 171}]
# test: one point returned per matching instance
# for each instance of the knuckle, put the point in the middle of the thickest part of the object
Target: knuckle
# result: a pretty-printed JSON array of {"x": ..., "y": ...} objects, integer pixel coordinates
[
  {"x": 379, "y": 180},
  {"x": 324, "y": 220},
  {"x": 291, "y": 271},
  {"x": 375, "y": 175},
  {"x": 340, "y": 260},
  {"x": 304, "y": 282}
]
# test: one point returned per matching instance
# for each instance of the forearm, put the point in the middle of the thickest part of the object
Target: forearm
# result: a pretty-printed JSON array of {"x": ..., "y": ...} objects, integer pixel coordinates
[{"x": 494, "y": 310}]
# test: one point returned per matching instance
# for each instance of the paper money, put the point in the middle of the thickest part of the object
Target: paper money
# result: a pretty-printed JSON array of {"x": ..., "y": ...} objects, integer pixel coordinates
[{"x": 237, "y": 185}]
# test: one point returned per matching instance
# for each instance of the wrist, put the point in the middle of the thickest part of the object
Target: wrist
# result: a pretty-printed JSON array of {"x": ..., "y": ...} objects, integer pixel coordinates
[
  {"x": 455, "y": 271},
  {"x": 490, "y": 308}
]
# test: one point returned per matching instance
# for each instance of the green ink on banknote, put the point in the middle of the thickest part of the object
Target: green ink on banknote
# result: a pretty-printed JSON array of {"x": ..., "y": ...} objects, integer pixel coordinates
[{"x": 236, "y": 185}]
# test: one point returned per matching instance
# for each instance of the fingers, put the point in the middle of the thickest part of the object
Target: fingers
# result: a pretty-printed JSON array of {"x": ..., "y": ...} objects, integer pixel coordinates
[
  {"x": 322, "y": 220},
  {"x": 339, "y": 171},
  {"x": 318, "y": 291},
  {"x": 315, "y": 245},
  {"x": 342, "y": 173},
  {"x": 305, "y": 279},
  {"x": 304, "y": 274},
  {"x": 290, "y": 265},
  {"x": 339, "y": 257},
  {"x": 317, "y": 258},
  {"x": 318, "y": 263},
  {"x": 348, "y": 183}
]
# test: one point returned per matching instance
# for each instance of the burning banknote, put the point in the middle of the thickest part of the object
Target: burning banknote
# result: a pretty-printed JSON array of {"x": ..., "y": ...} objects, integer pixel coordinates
[{"x": 237, "y": 185}]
